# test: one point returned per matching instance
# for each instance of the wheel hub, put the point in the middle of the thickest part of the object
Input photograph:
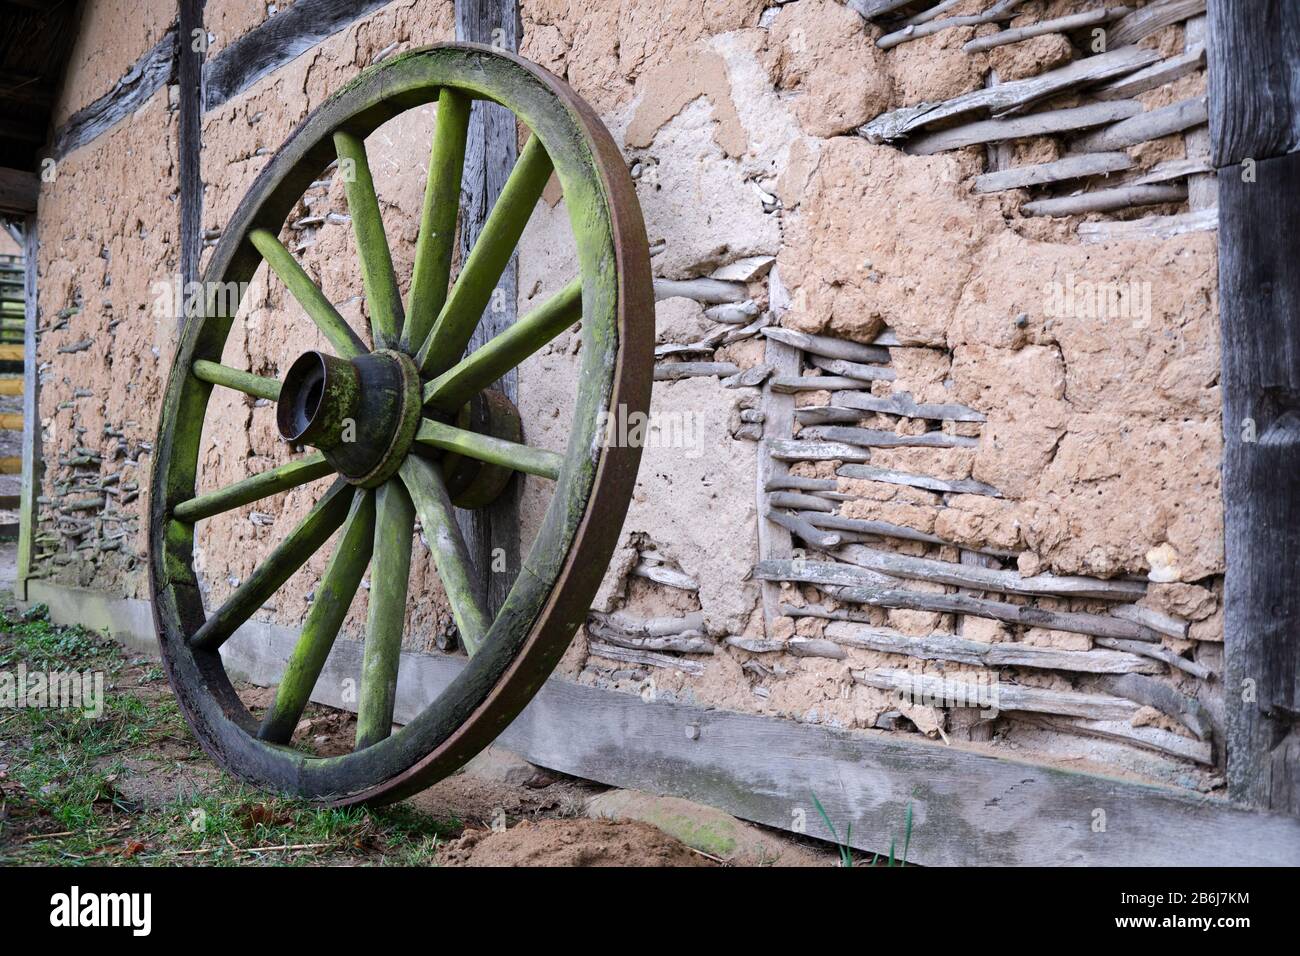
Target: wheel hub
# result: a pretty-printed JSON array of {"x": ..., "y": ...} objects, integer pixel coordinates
[{"x": 362, "y": 414}]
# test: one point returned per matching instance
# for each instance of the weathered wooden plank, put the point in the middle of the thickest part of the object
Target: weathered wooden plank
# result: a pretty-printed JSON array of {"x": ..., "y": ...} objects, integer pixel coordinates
[
  {"x": 1072, "y": 167},
  {"x": 1145, "y": 126},
  {"x": 278, "y": 40},
  {"x": 1259, "y": 299},
  {"x": 1160, "y": 653},
  {"x": 1153, "y": 693},
  {"x": 491, "y": 148},
  {"x": 1150, "y": 738},
  {"x": 759, "y": 767},
  {"x": 816, "y": 383},
  {"x": 674, "y": 371},
  {"x": 992, "y": 579},
  {"x": 950, "y": 647},
  {"x": 650, "y": 658},
  {"x": 1019, "y": 127},
  {"x": 189, "y": 146},
  {"x": 1007, "y": 96},
  {"x": 714, "y": 291},
  {"x": 146, "y": 76},
  {"x": 1152, "y": 18},
  {"x": 1174, "y": 169},
  {"x": 1254, "y": 72},
  {"x": 1105, "y": 200},
  {"x": 854, "y": 370}
]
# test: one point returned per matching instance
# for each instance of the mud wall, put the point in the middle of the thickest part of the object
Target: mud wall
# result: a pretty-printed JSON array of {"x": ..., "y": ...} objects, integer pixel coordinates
[{"x": 1018, "y": 396}]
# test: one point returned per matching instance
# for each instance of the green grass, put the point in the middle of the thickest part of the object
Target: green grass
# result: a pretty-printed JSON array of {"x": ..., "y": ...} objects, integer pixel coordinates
[
  {"x": 64, "y": 773},
  {"x": 846, "y": 851}
]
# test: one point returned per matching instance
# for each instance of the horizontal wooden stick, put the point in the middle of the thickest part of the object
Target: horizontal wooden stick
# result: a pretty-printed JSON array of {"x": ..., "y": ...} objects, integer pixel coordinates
[
  {"x": 662, "y": 574},
  {"x": 1174, "y": 169},
  {"x": 690, "y": 642},
  {"x": 712, "y": 291},
  {"x": 1105, "y": 200},
  {"x": 799, "y": 483},
  {"x": 654, "y": 626},
  {"x": 800, "y": 502},
  {"x": 650, "y": 658},
  {"x": 902, "y": 405},
  {"x": 1160, "y": 623},
  {"x": 1150, "y": 738},
  {"x": 956, "y": 486},
  {"x": 1144, "y": 127},
  {"x": 1002, "y": 10},
  {"x": 827, "y": 415},
  {"x": 1140, "y": 24},
  {"x": 1072, "y": 167},
  {"x": 1150, "y": 227},
  {"x": 1021, "y": 127},
  {"x": 949, "y": 647},
  {"x": 1002, "y": 696},
  {"x": 1153, "y": 693},
  {"x": 879, "y": 438},
  {"x": 673, "y": 371},
  {"x": 1157, "y": 74},
  {"x": 805, "y": 529},
  {"x": 1074, "y": 21},
  {"x": 855, "y": 370},
  {"x": 829, "y": 347},
  {"x": 816, "y": 383},
  {"x": 992, "y": 579},
  {"x": 784, "y": 449},
  {"x": 1160, "y": 653}
]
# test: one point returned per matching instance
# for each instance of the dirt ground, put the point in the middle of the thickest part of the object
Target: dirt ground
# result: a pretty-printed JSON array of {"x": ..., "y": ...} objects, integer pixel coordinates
[{"x": 132, "y": 787}]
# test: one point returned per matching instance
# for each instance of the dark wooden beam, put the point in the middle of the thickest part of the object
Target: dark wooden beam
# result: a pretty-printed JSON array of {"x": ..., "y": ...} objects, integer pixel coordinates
[
  {"x": 146, "y": 76},
  {"x": 189, "y": 73},
  {"x": 491, "y": 534},
  {"x": 282, "y": 38},
  {"x": 33, "y": 467},
  {"x": 1254, "y": 67},
  {"x": 1254, "y": 54},
  {"x": 18, "y": 191}
]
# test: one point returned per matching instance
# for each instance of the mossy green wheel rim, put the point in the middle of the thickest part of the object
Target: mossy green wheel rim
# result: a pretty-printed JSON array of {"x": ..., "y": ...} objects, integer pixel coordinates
[{"x": 405, "y": 385}]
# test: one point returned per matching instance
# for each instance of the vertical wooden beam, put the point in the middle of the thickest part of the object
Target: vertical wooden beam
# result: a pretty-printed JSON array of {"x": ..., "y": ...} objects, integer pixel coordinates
[
  {"x": 1254, "y": 64},
  {"x": 189, "y": 53},
  {"x": 774, "y": 541},
  {"x": 33, "y": 468},
  {"x": 491, "y": 534}
]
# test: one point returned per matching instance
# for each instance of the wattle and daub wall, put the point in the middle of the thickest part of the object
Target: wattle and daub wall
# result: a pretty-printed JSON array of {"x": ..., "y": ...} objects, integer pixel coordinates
[{"x": 936, "y": 412}]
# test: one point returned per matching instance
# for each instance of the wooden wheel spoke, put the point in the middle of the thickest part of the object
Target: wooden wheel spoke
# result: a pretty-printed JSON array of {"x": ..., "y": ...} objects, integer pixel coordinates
[
  {"x": 454, "y": 387},
  {"x": 286, "y": 476},
  {"x": 495, "y": 451},
  {"x": 333, "y": 598},
  {"x": 386, "y": 615},
  {"x": 333, "y": 326},
  {"x": 291, "y": 554},
  {"x": 217, "y": 374},
  {"x": 437, "y": 237},
  {"x": 450, "y": 556},
  {"x": 372, "y": 245},
  {"x": 455, "y": 324}
]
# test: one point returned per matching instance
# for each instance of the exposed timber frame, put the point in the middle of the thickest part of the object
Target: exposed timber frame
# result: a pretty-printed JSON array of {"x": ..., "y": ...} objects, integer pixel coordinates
[
  {"x": 32, "y": 466},
  {"x": 189, "y": 52},
  {"x": 1254, "y": 68}
]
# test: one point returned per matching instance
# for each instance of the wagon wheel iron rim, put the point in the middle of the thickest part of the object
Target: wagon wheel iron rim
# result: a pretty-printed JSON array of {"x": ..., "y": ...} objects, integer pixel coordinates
[{"x": 411, "y": 391}]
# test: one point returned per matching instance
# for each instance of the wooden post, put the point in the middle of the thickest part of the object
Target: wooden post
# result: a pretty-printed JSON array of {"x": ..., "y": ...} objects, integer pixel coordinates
[
  {"x": 33, "y": 468},
  {"x": 491, "y": 534},
  {"x": 1254, "y": 65},
  {"x": 189, "y": 140}
]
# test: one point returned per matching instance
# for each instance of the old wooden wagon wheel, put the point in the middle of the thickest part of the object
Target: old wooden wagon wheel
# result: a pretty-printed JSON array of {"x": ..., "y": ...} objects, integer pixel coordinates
[{"x": 420, "y": 414}]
